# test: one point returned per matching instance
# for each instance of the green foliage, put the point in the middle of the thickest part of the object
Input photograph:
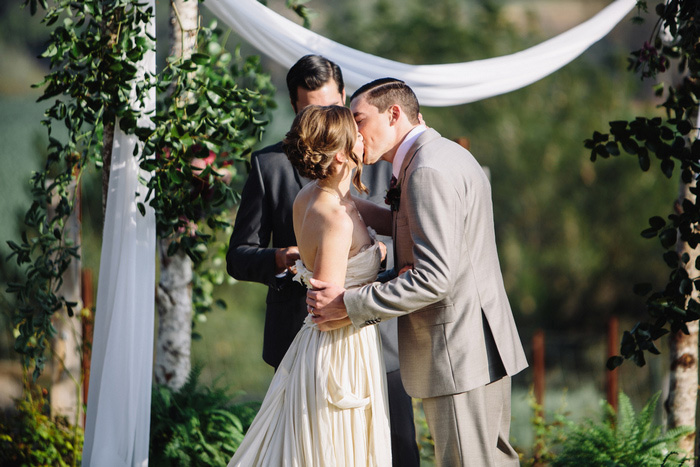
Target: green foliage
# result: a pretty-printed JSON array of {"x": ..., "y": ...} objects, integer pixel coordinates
[
  {"x": 93, "y": 50},
  {"x": 630, "y": 440},
  {"x": 214, "y": 111},
  {"x": 547, "y": 434},
  {"x": 196, "y": 426},
  {"x": 212, "y": 114},
  {"x": 674, "y": 39},
  {"x": 426, "y": 445},
  {"x": 30, "y": 437}
]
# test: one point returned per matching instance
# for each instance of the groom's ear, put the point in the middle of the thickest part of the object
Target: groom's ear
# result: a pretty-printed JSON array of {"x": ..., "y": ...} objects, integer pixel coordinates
[{"x": 394, "y": 114}]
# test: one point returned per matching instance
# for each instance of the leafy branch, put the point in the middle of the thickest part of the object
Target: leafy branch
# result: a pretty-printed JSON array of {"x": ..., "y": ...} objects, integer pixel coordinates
[
  {"x": 93, "y": 50},
  {"x": 191, "y": 150},
  {"x": 670, "y": 140}
]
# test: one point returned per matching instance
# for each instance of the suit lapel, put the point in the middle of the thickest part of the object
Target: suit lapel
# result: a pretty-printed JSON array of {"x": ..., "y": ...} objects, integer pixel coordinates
[{"x": 426, "y": 136}]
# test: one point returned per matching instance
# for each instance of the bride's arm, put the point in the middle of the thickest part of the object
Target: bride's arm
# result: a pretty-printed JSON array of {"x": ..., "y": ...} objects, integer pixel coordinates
[{"x": 375, "y": 216}]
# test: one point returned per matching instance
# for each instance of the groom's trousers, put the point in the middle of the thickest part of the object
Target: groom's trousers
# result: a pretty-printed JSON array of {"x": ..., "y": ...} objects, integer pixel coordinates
[{"x": 472, "y": 428}]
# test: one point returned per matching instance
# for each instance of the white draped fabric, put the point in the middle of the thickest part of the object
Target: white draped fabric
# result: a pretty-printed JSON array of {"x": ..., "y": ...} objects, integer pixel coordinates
[
  {"x": 435, "y": 85},
  {"x": 119, "y": 399}
]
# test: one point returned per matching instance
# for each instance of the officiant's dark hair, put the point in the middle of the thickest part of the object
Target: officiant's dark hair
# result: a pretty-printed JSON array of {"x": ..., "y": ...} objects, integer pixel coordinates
[
  {"x": 312, "y": 72},
  {"x": 385, "y": 92}
]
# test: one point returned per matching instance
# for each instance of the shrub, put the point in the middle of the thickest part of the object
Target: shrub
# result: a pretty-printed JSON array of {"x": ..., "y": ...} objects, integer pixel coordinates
[
  {"x": 196, "y": 426},
  {"x": 31, "y": 437},
  {"x": 625, "y": 440}
]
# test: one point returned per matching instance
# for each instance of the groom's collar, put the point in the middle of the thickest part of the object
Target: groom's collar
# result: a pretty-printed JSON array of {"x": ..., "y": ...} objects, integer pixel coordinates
[{"x": 405, "y": 145}]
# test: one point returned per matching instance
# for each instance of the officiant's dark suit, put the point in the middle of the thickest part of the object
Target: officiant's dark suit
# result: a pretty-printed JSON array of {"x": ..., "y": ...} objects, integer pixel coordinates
[{"x": 264, "y": 226}]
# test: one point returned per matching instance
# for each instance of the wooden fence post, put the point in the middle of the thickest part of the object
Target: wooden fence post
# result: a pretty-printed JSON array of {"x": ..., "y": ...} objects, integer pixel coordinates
[
  {"x": 88, "y": 320},
  {"x": 538, "y": 368},
  {"x": 611, "y": 376},
  {"x": 539, "y": 386}
]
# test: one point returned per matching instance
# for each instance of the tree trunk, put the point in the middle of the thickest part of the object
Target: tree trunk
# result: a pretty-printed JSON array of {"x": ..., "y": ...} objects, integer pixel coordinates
[
  {"x": 66, "y": 355},
  {"x": 683, "y": 390},
  {"x": 174, "y": 298},
  {"x": 174, "y": 305},
  {"x": 184, "y": 21}
]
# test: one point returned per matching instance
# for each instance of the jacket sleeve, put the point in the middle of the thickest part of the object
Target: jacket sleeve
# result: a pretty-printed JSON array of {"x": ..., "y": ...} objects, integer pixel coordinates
[
  {"x": 248, "y": 257},
  {"x": 436, "y": 231}
]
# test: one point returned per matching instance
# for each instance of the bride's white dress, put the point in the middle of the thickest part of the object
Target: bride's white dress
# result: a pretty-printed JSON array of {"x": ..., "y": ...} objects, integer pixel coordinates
[{"x": 326, "y": 405}]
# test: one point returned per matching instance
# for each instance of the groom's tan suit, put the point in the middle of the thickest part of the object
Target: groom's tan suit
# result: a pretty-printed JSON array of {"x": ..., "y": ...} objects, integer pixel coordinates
[{"x": 456, "y": 329}]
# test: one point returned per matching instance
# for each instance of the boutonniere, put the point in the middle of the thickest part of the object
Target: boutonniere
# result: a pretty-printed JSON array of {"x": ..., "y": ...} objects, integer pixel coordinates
[{"x": 393, "y": 194}]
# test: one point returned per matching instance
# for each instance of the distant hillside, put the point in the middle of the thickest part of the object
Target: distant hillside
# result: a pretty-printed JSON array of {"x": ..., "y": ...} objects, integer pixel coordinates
[{"x": 18, "y": 71}]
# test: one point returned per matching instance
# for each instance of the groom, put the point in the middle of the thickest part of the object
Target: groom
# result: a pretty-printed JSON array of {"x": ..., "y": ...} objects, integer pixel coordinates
[{"x": 458, "y": 344}]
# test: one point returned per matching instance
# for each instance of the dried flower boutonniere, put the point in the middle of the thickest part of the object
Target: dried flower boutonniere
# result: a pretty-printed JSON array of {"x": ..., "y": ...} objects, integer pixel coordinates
[{"x": 393, "y": 194}]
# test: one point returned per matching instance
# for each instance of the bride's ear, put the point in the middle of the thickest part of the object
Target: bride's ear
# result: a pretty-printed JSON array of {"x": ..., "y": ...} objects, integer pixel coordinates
[{"x": 341, "y": 158}]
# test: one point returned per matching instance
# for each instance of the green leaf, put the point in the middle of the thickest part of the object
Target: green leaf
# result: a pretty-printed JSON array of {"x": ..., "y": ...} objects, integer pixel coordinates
[
  {"x": 176, "y": 177},
  {"x": 684, "y": 127},
  {"x": 671, "y": 259},
  {"x": 611, "y": 148},
  {"x": 686, "y": 287},
  {"x": 644, "y": 162},
  {"x": 667, "y": 167},
  {"x": 668, "y": 238},
  {"x": 200, "y": 58},
  {"x": 628, "y": 344},
  {"x": 657, "y": 222}
]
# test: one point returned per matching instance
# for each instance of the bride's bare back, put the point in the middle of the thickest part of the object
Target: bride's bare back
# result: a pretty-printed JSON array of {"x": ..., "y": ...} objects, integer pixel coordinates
[{"x": 328, "y": 231}]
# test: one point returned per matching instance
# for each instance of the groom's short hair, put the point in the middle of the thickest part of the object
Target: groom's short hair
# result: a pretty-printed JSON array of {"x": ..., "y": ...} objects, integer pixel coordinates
[
  {"x": 312, "y": 72},
  {"x": 385, "y": 92}
]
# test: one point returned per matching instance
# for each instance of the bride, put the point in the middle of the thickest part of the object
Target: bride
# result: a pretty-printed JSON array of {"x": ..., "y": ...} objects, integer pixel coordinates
[{"x": 327, "y": 403}]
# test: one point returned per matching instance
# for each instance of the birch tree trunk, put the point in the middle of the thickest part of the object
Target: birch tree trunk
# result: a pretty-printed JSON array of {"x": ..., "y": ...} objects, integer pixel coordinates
[
  {"x": 66, "y": 348},
  {"x": 683, "y": 390},
  {"x": 174, "y": 294}
]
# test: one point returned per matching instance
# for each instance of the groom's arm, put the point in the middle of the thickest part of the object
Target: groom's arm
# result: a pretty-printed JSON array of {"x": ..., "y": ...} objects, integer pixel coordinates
[{"x": 375, "y": 216}]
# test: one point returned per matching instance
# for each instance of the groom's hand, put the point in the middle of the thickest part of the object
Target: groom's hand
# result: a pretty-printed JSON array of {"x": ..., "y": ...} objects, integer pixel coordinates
[{"x": 325, "y": 303}]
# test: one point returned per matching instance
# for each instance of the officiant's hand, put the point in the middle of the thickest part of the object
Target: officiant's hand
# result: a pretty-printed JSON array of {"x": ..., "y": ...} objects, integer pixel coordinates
[
  {"x": 285, "y": 258},
  {"x": 325, "y": 303}
]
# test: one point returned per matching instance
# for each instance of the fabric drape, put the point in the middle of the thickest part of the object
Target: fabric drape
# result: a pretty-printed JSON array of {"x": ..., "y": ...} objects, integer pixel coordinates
[
  {"x": 119, "y": 399},
  {"x": 435, "y": 85}
]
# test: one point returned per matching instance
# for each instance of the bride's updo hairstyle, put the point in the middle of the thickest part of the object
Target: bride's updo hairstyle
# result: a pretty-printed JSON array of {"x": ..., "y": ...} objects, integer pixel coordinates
[{"x": 317, "y": 135}]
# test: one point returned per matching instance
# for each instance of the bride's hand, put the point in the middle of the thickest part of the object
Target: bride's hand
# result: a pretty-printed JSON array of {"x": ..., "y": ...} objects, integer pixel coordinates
[
  {"x": 325, "y": 302},
  {"x": 382, "y": 248}
]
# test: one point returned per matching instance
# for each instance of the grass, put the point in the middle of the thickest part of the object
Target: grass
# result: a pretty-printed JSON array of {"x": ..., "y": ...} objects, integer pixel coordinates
[{"x": 231, "y": 346}]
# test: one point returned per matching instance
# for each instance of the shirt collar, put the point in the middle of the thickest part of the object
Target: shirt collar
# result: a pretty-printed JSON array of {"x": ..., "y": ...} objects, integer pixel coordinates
[{"x": 405, "y": 145}]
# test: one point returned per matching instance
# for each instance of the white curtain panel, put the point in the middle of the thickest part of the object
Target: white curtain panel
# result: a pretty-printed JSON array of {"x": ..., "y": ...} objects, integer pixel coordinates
[
  {"x": 435, "y": 85},
  {"x": 119, "y": 399}
]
